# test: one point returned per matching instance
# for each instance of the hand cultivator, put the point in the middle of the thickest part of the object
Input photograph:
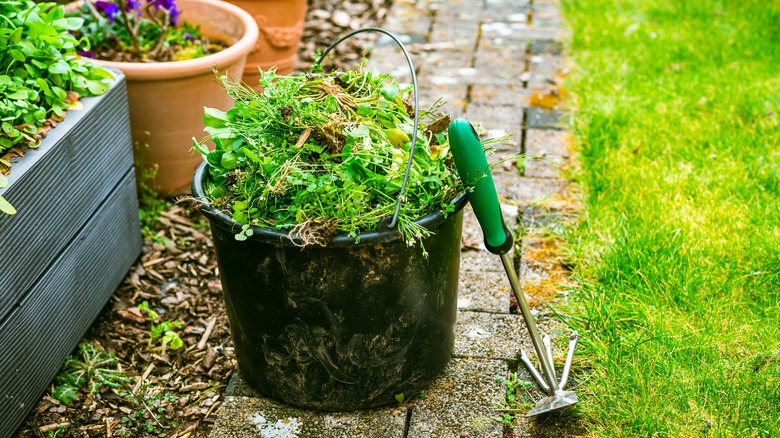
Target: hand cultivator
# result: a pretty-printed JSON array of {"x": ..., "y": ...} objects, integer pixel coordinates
[{"x": 470, "y": 160}]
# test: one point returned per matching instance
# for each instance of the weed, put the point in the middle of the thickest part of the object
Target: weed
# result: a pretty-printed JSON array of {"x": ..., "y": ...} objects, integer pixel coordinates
[
  {"x": 408, "y": 401},
  {"x": 149, "y": 413},
  {"x": 92, "y": 368},
  {"x": 163, "y": 332},
  {"x": 320, "y": 154},
  {"x": 512, "y": 403},
  {"x": 150, "y": 204}
]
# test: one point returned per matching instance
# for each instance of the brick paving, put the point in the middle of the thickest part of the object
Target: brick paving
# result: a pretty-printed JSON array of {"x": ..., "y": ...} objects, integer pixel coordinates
[{"x": 484, "y": 59}]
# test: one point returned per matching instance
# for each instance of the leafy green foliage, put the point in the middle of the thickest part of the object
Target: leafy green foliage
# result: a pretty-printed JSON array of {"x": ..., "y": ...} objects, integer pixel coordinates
[
  {"x": 90, "y": 370},
  {"x": 319, "y": 154},
  {"x": 140, "y": 31},
  {"x": 513, "y": 404},
  {"x": 41, "y": 73},
  {"x": 407, "y": 401},
  {"x": 163, "y": 332},
  {"x": 159, "y": 405},
  {"x": 150, "y": 204}
]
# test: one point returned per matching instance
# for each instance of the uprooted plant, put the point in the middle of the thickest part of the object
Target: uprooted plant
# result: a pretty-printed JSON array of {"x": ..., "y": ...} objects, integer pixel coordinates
[{"x": 321, "y": 154}]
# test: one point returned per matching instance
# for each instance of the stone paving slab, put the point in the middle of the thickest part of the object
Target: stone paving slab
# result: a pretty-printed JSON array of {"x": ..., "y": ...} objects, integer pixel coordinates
[
  {"x": 547, "y": 14},
  {"x": 527, "y": 191},
  {"x": 410, "y": 18},
  {"x": 484, "y": 292},
  {"x": 532, "y": 32},
  {"x": 460, "y": 402},
  {"x": 501, "y": 94},
  {"x": 458, "y": 11},
  {"x": 461, "y": 34},
  {"x": 551, "y": 47},
  {"x": 242, "y": 417},
  {"x": 498, "y": 121},
  {"x": 489, "y": 335},
  {"x": 540, "y": 118},
  {"x": 511, "y": 11},
  {"x": 543, "y": 69},
  {"x": 451, "y": 96},
  {"x": 472, "y": 230},
  {"x": 551, "y": 147}
]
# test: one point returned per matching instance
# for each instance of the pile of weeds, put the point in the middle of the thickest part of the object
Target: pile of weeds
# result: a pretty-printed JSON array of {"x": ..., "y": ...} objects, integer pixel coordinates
[{"x": 320, "y": 154}]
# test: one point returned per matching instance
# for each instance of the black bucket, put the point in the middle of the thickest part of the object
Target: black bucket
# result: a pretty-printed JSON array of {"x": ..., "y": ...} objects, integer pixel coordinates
[{"x": 342, "y": 327}]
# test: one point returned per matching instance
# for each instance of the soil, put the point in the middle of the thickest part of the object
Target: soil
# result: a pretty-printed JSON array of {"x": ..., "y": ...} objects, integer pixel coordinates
[{"x": 178, "y": 393}]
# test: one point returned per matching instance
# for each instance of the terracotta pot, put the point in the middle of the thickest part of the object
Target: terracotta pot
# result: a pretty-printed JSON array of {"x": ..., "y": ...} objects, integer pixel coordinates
[
  {"x": 167, "y": 98},
  {"x": 281, "y": 25}
]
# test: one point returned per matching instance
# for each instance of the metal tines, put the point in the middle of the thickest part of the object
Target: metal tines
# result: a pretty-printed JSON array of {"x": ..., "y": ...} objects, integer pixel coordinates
[{"x": 557, "y": 397}]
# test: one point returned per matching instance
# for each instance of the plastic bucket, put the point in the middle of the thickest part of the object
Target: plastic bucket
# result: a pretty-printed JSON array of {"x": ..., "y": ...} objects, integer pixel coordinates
[{"x": 342, "y": 327}]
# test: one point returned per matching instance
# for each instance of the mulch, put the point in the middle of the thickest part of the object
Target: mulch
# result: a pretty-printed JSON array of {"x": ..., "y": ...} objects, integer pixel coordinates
[{"x": 178, "y": 393}]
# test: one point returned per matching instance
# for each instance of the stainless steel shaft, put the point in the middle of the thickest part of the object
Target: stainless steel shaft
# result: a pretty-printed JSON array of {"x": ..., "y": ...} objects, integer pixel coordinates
[{"x": 547, "y": 366}]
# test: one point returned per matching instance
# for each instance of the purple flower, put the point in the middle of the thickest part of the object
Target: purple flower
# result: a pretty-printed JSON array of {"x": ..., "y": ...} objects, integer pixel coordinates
[
  {"x": 187, "y": 36},
  {"x": 108, "y": 8},
  {"x": 86, "y": 54},
  {"x": 168, "y": 6},
  {"x": 133, "y": 5}
]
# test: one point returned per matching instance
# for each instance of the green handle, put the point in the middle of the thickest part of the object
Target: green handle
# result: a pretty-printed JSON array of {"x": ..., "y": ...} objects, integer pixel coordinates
[{"x": 472, "y": 165}]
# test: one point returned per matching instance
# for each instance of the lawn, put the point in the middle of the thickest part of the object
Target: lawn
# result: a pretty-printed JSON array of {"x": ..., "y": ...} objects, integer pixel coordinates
[{"x": 676, "y": 109}]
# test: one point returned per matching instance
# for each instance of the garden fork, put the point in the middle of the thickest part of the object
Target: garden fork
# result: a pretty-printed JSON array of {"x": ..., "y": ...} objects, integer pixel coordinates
[{"x": 470, "y": 160}]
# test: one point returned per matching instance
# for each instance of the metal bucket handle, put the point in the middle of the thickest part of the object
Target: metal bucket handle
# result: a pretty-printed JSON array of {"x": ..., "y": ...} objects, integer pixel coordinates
[{"x": 394, "y": 220}]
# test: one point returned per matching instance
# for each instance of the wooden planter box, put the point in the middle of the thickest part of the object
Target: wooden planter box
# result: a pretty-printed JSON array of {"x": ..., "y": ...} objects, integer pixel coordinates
[{"x": 67, "y": 249}]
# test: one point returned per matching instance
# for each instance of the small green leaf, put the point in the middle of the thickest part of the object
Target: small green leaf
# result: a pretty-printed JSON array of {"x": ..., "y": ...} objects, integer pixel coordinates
[
  {"x": 214, "y": 118},
  {"x": 249, "y": 154},
  {"x": 399, "y": 397},
  {"x": 65, "y": 394},
  {"x": 6, "y": 207},
  {"x": 59, "y": 68},
  {"x": 390, "y": 91},
  {"x": 18, "y": 95},
  {"x": 229, "y": 160},
  {"x": 96, "y": 87},
  {"x": 74, "y": 23}
]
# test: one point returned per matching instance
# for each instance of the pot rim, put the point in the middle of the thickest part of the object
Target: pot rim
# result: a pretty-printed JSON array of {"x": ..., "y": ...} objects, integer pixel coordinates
[
  {"x": 190, "y": 67},
  {"x": 217, "y": 217}
]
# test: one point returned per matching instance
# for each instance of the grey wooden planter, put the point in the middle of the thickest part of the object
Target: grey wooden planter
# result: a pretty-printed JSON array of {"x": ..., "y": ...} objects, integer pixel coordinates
[{"x": 67, "y": 249}]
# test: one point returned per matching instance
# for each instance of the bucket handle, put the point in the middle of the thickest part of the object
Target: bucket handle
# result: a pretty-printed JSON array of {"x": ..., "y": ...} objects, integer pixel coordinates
[{"x": 394, "y": 220}]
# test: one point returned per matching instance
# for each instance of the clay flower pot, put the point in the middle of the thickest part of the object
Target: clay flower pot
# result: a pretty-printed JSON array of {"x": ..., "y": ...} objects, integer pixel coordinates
[
  {"x": 281, "y": 24},
  {"x": 167, "y": 98}
]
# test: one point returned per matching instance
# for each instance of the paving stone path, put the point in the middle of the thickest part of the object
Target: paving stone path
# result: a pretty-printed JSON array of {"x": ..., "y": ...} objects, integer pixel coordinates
[{"x": 497, "y": 63}]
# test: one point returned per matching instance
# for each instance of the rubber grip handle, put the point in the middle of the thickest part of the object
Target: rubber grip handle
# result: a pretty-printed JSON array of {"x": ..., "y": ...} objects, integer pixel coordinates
[{"x": 474, "y": 171}]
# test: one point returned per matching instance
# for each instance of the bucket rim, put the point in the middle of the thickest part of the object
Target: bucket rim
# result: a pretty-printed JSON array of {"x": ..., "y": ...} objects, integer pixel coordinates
[{"x": 217, "y": 217}]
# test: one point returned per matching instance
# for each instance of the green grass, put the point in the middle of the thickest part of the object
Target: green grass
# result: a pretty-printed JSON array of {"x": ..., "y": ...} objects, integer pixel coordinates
[{"x": 676, "y": 114}]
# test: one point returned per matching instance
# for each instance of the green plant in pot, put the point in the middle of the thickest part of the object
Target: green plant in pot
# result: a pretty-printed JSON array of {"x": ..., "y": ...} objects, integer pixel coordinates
[
  {"x": 42, "y": 77},
  {"x": 168, "y": 49},
  {"x": 333, "y": 304}
]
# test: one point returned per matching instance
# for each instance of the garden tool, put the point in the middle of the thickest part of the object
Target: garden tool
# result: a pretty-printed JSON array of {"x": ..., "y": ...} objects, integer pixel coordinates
[{"x": 472, "y": 165}]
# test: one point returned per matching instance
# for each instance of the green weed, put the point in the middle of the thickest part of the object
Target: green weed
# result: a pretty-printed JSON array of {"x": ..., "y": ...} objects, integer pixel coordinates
[
  {"x": 320, "y": 154},
  {"x": 162, "y": 333},
  {"x": 90, "y": 370},
  {"x": 513, "y": 404},
  {"x": 150, "y": 204}
]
